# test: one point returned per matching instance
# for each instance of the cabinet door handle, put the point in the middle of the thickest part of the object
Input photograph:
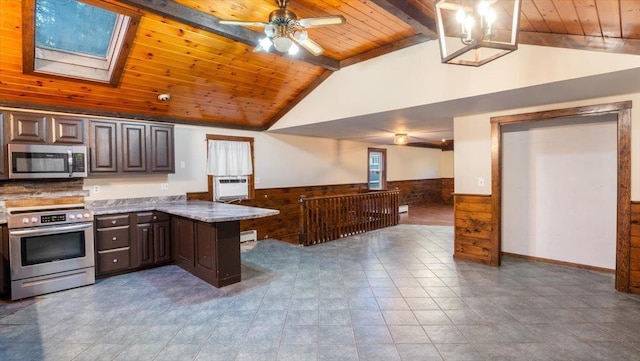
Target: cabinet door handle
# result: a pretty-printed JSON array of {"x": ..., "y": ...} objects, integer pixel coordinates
[
  {"x": 114, "y": 221},
  {"x": 114, "y": 238},
  {"x": 155, "y": 217},
  {"x": 115, "y": 260}
]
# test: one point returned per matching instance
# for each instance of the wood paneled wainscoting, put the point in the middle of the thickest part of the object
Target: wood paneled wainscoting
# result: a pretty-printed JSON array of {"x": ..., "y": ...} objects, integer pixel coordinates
[
  {"x": 418, "y": 191},
  {"x": 634, "y": 254},
  {"x": 447, "y": 190},
  {"x": 473, "y": 216},
  {"x": 286, "y": 225}
]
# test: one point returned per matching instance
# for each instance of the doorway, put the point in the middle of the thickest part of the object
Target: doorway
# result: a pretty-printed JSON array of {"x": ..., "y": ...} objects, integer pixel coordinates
[
  {"x": 559, "y": 195},
  {"x": 621, "y": 112},
  {"x": 377, "y": 169}
]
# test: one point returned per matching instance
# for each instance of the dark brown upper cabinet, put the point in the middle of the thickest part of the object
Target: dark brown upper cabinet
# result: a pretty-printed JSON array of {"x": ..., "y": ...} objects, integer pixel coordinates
[
  {"x": 26, "y": 127},
  {"x": 103, "y": 147},
  {"x": 119, "y": 147},
  {"x": 134, "y": 147},
  {"x": 161, "y": 143},
  {"x": 43, "y": 128},
  {"x": 66, "y": 130}
]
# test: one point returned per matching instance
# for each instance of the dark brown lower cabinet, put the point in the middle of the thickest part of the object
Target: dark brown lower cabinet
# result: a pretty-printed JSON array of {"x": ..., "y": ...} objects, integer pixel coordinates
[
  {"x": 144, "y": 237},
  {"x": 113, "y": 241},
  {"x": 4, "y": 261},
  {"x": 153, "y": 238},
  {"x": 210, "y": 251},
  {"x": 162, "y": 242}
]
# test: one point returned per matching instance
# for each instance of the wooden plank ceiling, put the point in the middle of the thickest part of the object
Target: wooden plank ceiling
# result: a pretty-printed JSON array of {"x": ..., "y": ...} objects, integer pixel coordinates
[{"x": 215, "y": 78}]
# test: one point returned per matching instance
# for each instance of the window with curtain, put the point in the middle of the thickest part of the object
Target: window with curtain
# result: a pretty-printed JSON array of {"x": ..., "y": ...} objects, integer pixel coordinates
[{"x": 229, "y": 158}]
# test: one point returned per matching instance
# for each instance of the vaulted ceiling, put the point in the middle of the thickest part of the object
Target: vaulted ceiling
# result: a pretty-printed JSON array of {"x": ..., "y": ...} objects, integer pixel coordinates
[{"x": 215, "y": 78}]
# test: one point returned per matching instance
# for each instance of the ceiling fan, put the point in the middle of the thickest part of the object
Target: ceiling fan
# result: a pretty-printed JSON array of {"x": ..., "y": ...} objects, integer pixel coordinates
[{"x": 284, "y": 30}]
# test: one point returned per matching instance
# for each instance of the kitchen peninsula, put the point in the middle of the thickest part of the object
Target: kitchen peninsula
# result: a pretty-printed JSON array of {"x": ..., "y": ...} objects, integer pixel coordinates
[{"x": 201, "y": 237}]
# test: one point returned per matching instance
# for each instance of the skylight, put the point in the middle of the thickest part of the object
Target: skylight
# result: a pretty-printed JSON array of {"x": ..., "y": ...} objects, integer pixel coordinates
[{"x": 77, "y": 39}]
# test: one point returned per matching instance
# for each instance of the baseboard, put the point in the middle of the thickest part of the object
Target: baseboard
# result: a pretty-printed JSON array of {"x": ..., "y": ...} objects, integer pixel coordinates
[{"x": 559, "y": 263}]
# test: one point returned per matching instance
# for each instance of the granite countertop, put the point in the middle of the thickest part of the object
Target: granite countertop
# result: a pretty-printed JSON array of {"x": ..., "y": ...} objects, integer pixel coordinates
[{"x": 198, "y": 210}]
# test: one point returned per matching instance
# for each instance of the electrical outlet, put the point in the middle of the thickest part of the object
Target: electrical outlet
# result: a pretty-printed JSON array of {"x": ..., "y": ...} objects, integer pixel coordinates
[
  {"x": 257, "y": 180},
  {"x": 481, "y": 181},
  {"x": 96, "y": 189},
  {"x": 183, "y": 165},
  {"x": 164, "y": 186}
]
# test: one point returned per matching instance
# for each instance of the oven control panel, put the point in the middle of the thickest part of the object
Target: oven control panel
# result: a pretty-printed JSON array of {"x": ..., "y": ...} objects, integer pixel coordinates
[{"x": 46, "y": 218}]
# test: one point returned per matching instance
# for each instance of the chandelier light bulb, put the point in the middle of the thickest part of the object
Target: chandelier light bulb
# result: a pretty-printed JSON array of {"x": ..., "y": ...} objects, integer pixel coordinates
[
  {"x": 483, "y": 7},
  {"x": 468, "y": 27}
]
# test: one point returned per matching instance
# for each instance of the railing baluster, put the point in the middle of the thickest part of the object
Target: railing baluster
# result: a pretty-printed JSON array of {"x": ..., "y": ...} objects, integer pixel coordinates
[{"x": 324, "y": 219}]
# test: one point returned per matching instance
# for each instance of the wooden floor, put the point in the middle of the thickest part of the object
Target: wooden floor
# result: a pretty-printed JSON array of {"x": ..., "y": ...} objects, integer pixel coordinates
[{"x": 429, "y": 214}]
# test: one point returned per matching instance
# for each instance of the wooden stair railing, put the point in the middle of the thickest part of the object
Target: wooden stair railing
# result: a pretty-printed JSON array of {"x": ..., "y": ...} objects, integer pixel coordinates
[{"x": 324, "y": 219}]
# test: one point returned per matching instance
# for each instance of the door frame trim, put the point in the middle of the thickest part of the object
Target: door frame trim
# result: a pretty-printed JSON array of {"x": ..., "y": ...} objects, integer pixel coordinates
[{"x": 622, "y": 111}]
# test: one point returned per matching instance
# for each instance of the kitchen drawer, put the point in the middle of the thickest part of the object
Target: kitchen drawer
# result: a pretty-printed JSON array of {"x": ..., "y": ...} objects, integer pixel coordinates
[
  {"x": 148, "y": 217},
  {"x": 112, "y": 221},
  {"x": 114, "y": 237},
  {"x": 113, "y": 261}
]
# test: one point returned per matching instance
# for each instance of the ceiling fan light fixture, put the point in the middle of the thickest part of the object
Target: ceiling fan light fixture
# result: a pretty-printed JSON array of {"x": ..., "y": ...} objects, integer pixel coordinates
[
  {"x": 270, "y": 30},
  {"x": 265, "y": 43},
  {"x": 300, "y": 36},
  {"x": 284, "y": 28},
  {"x": 282, "y": 44},
  {"x": 400, "y": 139},
  {"x": 293, "y": 50}
]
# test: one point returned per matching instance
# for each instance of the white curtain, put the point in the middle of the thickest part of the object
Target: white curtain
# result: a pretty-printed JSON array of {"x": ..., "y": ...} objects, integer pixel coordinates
[{"x": 229, "y": 158}]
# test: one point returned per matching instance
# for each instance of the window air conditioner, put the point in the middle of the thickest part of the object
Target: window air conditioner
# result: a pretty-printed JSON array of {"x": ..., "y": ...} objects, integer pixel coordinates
[{"x": 231, "y": 188}]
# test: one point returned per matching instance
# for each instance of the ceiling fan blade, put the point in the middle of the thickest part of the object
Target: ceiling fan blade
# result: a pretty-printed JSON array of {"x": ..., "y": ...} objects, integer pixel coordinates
[
  {"x": 310, "y": 45},
  {"x": 242, "y": 23},
  {"x": 322, "y": 21}
]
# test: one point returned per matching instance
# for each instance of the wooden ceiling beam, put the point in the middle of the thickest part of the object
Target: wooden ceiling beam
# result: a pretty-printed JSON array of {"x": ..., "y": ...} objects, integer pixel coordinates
[
  {"x": 412, "y": 15},
  {"x": 580, "y": 42},
  {"x": 204, "y": 21}
]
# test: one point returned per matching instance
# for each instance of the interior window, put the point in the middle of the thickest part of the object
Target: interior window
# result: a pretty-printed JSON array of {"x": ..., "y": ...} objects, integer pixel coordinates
[
  {"x": 77, "y": 39},
  {"x": 377, "y": 169}
]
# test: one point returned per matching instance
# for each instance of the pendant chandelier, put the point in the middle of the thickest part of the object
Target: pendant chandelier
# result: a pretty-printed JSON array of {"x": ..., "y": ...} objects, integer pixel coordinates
[{"x": 473, "y": 32}]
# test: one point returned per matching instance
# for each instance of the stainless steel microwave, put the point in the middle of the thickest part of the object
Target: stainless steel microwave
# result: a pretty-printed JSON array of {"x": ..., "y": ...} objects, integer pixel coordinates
[{"x": 29, "y": 161}]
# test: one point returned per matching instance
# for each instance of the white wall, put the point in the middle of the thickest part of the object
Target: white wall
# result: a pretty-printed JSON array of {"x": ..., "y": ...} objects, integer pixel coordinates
[
  {"x": 559, "y": 193},
  {"x": 472, "y": 157},
  {"x": 447, "y": 165},
  {"x": 472, "y": 135},
  {"x": 280, "y": 161},
  {"x": 416, "y": 77}
]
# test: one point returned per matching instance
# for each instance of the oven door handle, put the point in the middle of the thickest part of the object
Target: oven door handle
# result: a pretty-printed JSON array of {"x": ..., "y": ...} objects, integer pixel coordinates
[{"x": 50, "y": 230}]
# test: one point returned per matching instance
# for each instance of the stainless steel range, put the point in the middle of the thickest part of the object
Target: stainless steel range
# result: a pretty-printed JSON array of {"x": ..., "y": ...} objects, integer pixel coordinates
[{"x": 50, "y": 250}]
